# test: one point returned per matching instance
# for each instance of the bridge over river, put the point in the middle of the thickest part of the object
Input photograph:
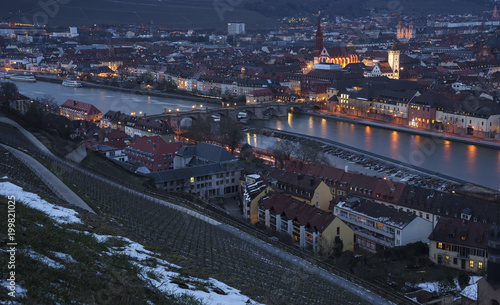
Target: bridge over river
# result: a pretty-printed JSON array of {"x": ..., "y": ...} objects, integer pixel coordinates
[{"x": 250, "y": 112}]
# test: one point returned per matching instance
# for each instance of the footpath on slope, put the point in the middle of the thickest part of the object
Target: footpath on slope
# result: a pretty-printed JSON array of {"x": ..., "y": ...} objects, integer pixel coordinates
[
  {"x": 28, "y": 135},
  {"x": 57, "y": 186}
]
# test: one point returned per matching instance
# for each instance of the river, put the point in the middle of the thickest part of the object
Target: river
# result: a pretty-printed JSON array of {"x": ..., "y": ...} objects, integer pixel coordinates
[
  {"x": 476, "y": 164},
  {"x": 106, "y": 100}
]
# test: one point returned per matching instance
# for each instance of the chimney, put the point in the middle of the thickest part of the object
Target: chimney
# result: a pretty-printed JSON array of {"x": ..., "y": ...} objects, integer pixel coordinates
[
  {"x": 346, "y": 167},
  {"x": 74, "y": 103}
]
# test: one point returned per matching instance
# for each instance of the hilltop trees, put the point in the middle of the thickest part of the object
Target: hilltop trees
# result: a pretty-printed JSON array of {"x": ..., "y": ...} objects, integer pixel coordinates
[{"x": 227, "y": 132}]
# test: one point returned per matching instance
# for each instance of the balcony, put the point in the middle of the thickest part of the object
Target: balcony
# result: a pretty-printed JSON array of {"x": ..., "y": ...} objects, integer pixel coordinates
[
  {"x": 375, "y": 239},
  {"x": 367, "y": 227}
]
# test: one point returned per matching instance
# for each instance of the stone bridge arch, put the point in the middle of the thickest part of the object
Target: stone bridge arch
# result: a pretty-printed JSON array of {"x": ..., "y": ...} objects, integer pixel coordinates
[{"x": 271, "y": 111}]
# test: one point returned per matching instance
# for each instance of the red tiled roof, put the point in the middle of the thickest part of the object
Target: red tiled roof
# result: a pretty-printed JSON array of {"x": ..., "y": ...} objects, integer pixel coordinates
[
  {"x": 155, "y": 146},
  {"x": 305, "y": 214},
  {"x": 80, "y": 106},
  {"x": 261, "y": 92},
  {"x": 461, "y": 232}
]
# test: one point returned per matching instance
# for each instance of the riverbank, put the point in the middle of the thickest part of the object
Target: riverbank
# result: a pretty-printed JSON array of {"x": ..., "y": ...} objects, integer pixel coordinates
[
  {"x": 434, "y": 135},
  {"x": 137, "y": 91},
  {"x": 392, "y": 169},
  {"x": 189, "y": 97}
]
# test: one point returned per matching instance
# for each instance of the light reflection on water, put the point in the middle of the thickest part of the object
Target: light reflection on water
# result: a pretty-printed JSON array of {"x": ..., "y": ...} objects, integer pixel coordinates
[
  {"x": 480, "y": 165},
  {"x": 477, "y": 164}
]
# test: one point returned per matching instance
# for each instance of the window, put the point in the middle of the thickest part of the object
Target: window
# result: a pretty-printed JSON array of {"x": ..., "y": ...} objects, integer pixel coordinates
[
  {"x": 338, "y": 230},
  {"x": 446, "y": 259},
  {"x": 480, "y": 265},
  {"x": 471, "y": 264},
  {"x": 455, "y": 261},
  {"x": 440, "y": 245},
  {"x": 192, "y": 179}
]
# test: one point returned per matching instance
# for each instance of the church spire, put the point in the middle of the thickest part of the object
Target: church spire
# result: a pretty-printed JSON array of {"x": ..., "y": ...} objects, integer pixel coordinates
[{"x": 319, "y": 38}]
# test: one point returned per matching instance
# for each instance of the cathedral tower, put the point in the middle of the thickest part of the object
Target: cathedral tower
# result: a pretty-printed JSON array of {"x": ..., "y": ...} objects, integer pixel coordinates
[{"x": 393, "y": 59}]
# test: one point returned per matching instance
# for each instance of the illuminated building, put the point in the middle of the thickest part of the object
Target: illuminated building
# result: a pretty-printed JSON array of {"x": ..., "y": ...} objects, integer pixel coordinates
[{"x": 335, "y": 55}]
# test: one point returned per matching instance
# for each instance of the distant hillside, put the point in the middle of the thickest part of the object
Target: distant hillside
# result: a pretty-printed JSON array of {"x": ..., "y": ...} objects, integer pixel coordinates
[
  {"x": 175, "y": 14},
  {"x": 282, "y": 8},
  {"x": 217, "y": 13}
]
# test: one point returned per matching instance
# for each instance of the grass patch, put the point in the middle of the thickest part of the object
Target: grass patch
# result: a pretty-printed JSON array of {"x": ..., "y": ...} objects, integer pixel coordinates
[
  {"x": 111, "y": 278},
  {"x": 399, "y": 269},
  {"x": 104, "y": 166}
]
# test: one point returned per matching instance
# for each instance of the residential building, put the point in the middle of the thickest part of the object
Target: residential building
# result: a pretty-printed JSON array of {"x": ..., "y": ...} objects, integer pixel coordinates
[
  {"x": 75, "y": 110},
  {"x": 114, "y": 120},
  {"x": 379, "y": 69},
  {"x": 20, "y": 104},
  {"x": 422, "y": 110},
  {"x": 260, "y": 96},
  {"x": 377, "y": 226},
  {"x": 156, "y": 154},
  {"x": 479, "y": 118},
  {"x": 235, "y": 28},
  {"x": 111, "y": 152},
  {"x": 205, "y": 169},
  {"x": 310, "y": 228},
  {"x": 488, "y": 288},
  {"x": 254, "y": 188},
  {"x": 146, "y": 127},
  {"x": 460, "y": 244},
  {"x": 302, "y": 187}
]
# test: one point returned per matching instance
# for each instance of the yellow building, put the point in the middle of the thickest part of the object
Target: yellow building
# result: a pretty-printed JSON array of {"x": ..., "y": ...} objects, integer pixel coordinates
[
  {"x": 310, "y": 228},
  {"x": 302, "y": 187},
  {"x": 460, "y": 244},
  {"x": 253, "y": 188}
]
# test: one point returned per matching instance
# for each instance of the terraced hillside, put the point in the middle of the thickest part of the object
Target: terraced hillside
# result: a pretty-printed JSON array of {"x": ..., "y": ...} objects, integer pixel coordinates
[{"x": 201, "y": 245}]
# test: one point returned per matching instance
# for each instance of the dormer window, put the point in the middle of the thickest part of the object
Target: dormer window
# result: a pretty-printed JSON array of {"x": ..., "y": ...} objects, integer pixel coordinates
[{"x": 465, "y": 216}]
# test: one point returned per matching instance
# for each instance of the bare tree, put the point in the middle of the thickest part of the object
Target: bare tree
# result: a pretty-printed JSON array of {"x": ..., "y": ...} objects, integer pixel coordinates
[
  {"x": 201, "y": 130},
  {"x": 281, "y": 151},
  {"x": 9, "y": 90},
  {"x": 229, "y": 133},
  {"x": 360, "y": 106}
]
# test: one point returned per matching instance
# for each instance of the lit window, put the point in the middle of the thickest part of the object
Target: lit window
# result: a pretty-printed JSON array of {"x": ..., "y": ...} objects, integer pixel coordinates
[
  {"x": 471, "y": 264},
  {"x": 446, "y": 259},
  {"x": 192, "y": 179},
  {"x": 440, "y": 245},
  {"x": 479, "y": 265}
]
